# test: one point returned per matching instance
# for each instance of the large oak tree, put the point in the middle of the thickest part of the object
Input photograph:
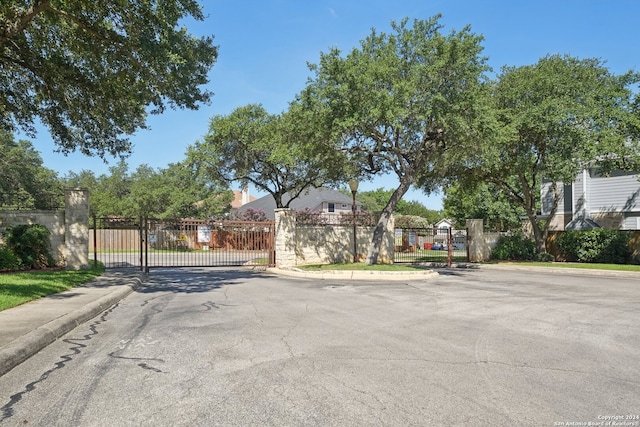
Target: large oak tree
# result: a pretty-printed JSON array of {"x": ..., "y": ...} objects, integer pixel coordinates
[
  {"x": 557, "y": 117},
  {"x": 401, "y": 100},
  {"x": 281, "y": 154},
  {"x": 90, "y": 71}
]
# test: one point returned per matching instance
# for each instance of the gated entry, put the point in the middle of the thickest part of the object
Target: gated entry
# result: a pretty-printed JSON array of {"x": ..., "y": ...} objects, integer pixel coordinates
[
  {"x": 146, "y": 243},
  {"x": 429, "y": 244}
]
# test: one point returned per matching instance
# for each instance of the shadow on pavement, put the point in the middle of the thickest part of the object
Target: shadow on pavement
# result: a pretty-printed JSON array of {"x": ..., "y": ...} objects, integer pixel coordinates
[{"x": 199, "y": 279}]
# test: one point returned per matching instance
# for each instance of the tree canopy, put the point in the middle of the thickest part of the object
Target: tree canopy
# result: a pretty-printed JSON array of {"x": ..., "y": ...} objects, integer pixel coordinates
[
  {"x": 90, "y": 71},
  {"x": 276, "y": 153},
  {"x": 172, "y": 192},
  {"x": 24, "y": 182},
  {"x": 398, "y": 102},
  {"x": 556, "y": 117},
  {"x": 482, "y": 201},
  {"x": 376, "y": 200}
]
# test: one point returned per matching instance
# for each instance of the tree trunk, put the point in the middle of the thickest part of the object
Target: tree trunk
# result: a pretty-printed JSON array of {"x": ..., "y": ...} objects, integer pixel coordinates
[
  {"x": 539, "y": 234},
  {"x": 381, "y": 226}
]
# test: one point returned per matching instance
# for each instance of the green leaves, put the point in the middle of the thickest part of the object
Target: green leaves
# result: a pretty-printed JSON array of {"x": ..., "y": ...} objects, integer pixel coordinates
[
  {"x": 90, "y": 71},
  {"x": 173, "y": 192},
  {"x": 555, "y": 118},
  {"x": 24, "y": 182},
  {"x": 279, "y": 154},
  {"x": 399, "y": 100}
]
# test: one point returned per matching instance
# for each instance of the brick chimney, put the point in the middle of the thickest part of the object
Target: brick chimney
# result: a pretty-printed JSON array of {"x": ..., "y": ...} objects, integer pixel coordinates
[{"x": 245, "y": 195}]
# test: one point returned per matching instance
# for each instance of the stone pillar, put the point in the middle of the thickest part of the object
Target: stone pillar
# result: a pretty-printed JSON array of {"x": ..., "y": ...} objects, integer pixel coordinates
[
  {"x": 76, "y": 224},
  {"x": 285, "y": 238},
  {"x": 478, "y": 249}
]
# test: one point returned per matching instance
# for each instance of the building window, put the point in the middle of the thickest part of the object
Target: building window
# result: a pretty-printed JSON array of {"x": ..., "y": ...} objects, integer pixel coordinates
[{"x": 331, "y": 207}]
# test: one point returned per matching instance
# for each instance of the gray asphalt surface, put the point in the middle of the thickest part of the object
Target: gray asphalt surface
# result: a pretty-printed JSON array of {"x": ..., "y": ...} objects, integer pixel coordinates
[{"x": 232, "y": 347}]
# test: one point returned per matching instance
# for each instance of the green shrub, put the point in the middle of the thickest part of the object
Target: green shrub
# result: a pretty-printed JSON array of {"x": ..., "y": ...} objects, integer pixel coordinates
[
  {"x": 596, "y": 246},
  {"x": 546, "y": 257},
  {"x": 31, "y": 245},
  {"x": 8, "y": 260},
  {"x": 516, "y": 247}
]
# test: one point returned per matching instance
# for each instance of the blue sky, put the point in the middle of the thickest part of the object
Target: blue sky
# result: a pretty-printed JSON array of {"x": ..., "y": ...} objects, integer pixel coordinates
[{"x": 264, "y": 47}]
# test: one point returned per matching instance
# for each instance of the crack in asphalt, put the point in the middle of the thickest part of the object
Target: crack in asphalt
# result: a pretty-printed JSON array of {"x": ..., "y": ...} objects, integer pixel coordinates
[{"x": 7, "y": 410}]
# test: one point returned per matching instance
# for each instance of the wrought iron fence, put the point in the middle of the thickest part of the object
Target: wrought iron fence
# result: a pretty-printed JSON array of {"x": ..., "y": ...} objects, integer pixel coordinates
[
  {"x": 429, "y": 245},
  {"x": 145, "y": 242}
]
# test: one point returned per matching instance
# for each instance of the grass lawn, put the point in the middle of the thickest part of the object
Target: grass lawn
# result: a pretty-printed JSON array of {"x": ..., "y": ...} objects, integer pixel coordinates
[
  {"x": 20, "y": 287},
  {"x": 582, "y": 265}
]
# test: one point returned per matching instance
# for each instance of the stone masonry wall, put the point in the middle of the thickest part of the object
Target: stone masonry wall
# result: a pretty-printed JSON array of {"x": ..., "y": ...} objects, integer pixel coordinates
[
  {"x": 299, "y": 245},
  {"x": 69, "y": 227}
]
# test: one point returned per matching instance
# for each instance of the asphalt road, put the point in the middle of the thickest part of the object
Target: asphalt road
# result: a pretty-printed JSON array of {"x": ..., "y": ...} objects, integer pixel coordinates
[{"x": 230, "y": 347}]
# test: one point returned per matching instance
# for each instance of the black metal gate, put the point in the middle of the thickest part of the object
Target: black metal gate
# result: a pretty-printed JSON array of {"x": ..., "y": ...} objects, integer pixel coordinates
[
  {"x": 414, "y": 245},
  {"x": 144, "y": 243}
]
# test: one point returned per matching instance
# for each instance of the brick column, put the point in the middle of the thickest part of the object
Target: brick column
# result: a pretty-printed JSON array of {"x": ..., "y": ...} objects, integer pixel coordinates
[{"x": 76, "y": 224}]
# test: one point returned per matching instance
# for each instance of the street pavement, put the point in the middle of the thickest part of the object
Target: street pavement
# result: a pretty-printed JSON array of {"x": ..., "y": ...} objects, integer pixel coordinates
[
  {"x": 27, "y": 329},
  {"x": 467, "y": 346}
]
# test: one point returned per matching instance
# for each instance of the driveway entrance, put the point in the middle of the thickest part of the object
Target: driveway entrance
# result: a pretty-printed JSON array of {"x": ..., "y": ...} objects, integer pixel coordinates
[{"x": 144, "y": 243}]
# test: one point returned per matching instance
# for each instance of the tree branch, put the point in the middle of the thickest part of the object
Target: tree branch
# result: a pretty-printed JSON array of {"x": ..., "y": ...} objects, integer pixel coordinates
[{"x": 18, "y": 24}]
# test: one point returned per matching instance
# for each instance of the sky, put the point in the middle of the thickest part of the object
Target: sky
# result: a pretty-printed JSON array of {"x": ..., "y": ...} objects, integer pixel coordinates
[{"x": 265, "y": 45}]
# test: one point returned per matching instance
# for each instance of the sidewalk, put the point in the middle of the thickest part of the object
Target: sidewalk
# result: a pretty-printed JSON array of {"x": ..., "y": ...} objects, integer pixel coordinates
[{"x": 28, "y": 328}]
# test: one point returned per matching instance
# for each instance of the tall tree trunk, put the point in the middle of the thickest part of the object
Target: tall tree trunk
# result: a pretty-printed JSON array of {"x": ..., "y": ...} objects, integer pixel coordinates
[
  {"x": 540, "y": 231},
  {"x": 381, "y": 226}
]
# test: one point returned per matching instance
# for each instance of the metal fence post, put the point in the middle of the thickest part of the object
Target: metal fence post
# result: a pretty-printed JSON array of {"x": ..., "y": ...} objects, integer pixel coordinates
[{"x": 449, "y": 247}]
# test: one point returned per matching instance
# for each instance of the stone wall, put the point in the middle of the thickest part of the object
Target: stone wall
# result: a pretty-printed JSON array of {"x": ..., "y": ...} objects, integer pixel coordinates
[
  {"x": 69, "y": 227},
  {"x": 326, "y": 244},
  {"x": 52, "y": 219},
  {"x": 481, "y": 244}
]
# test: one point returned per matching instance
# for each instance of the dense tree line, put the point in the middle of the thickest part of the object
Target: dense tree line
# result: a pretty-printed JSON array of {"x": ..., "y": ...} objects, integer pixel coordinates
[
  {"x": 177, "y": 191},
  {"x": 172, "y": 192},
  {"x": 418, "y": 102},
  {"x": 24, "y": 181},
  {"x": 421, "y": 104}
]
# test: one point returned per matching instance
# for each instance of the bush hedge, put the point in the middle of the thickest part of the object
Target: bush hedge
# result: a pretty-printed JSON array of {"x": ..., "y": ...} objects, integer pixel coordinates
[
  {"x": 8, "y": 260},
  {"x": 596, "y": 246},
  {"x": 516, "y": 247},
  {"x": 26, "y": 247}
]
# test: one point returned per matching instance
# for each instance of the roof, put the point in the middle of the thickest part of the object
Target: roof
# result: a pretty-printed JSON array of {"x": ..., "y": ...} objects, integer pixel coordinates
[
  {"x": 311, "y": 198},
  {"x": 444, "y": 223},
  {"x": 582, "y": 223}
]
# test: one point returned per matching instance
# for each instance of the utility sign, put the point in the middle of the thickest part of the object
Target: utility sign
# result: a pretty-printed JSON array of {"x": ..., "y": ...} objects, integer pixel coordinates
[{"x": 204, "y": 234}]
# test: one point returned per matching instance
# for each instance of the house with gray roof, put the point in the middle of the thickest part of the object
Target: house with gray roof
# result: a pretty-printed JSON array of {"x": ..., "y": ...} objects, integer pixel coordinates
[{"x": 325, "y": 200}]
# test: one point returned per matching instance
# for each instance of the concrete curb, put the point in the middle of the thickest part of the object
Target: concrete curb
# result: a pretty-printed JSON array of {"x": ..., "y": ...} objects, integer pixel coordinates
[
  {"x": 383, "y": 276},
  {"x": 29, "y": 344},
  {"x": 431, "y": 272},
  {"x": 555, "y": 270}
]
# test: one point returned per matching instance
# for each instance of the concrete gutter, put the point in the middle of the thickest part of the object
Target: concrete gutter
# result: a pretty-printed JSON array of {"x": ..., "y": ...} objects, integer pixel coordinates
[{"x": 430, "y": 272}]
